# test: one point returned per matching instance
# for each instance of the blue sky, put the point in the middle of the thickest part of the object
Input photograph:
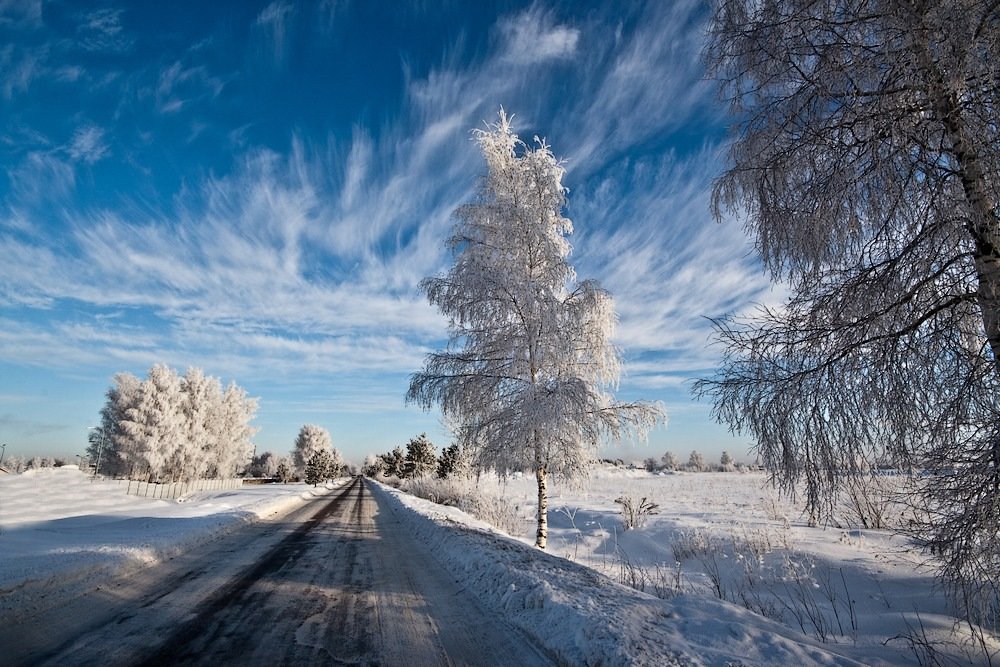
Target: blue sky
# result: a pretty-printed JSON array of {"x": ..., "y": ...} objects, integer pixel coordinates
[{"x": 256, "y": 189}]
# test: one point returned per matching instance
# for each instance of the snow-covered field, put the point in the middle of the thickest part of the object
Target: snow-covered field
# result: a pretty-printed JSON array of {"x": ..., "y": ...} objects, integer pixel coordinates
[
  {"x": 866, "y": 594},
  {"x": 850, "y": 590},
  {"x": 61, "y": 531}
]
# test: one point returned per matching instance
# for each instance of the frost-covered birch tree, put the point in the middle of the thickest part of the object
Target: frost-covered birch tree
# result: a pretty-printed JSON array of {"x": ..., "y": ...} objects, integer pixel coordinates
[
  {"x": 234, "y": 449},
  {"x": 866, "y": 166},
  {"x": 202, "y": 396},
  {"x": 155, "y": 424},
  {"x": 530, "y": 358},
  {"x": 108, "y": 444}
]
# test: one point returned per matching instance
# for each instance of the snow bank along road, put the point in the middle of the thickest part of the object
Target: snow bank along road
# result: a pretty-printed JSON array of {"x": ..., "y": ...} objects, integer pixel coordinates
[{"x": 336, "y": 581}]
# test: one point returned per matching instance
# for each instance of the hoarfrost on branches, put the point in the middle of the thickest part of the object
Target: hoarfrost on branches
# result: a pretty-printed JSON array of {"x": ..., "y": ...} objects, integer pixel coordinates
[
  {"x": 310, "y": 440},
  {"x": 866, "y": 165},
  {"x": 525, "y": 373},
  {"x": 170, "y": 427}
]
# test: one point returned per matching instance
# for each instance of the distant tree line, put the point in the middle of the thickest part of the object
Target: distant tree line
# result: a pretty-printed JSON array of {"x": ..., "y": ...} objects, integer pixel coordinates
[
  {"x": 172, "y": 427},
  {"x": 695, "y": 463},
  {"x": 418, "y": 460}
]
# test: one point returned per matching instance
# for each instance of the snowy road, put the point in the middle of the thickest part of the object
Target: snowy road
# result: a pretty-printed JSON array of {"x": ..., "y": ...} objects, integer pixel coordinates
[{"x": 335, "y": 582}]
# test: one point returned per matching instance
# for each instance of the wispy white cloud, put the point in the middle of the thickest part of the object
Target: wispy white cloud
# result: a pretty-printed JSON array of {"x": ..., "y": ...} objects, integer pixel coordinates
[
  {"x": 532, "y": 37},
  {"x": 179, "y": 85},
  {"x": 272, "y": 26},
  {"x": 42, "y": 176},
  {"x": 88, "y": 145},
  {"x": 306, "y": 261},
  {"x": 19, "y": 67},
  {"x": 102, "y": 30}
]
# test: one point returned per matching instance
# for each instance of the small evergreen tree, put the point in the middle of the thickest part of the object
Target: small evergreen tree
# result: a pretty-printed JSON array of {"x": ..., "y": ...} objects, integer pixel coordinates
[
  {"x": 727, "y": 461},
  {"x": 319, "y": 468},
  {"x": 311, "y": 439},
  {"x": 284, "y": 472},
  {"x": 420, "y": 457},
  {"x": 372, "y": 467},
  {"x": 669, "y": 461},
  {"x": 394, "y": 463},
  {"x": 696, "y": 461},
  {"x": 448, "y": 461}
]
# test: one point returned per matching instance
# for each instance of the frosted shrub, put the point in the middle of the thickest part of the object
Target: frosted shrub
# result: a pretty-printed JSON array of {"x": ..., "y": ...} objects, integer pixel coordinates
[
  {"x": 634, "y": 514},
  {"x": 874, "y": 503},
  {"x": 495, "y": 511},
  {"x": 436, "y": 490},
  {"x": 689, "y": 544}
]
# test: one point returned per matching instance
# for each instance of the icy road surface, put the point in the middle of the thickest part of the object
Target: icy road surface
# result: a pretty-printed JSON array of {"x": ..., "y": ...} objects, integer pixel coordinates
[{"x": 334, "y": 582}]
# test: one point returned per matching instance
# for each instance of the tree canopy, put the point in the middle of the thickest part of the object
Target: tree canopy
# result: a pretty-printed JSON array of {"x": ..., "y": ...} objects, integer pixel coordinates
[{"x": 866, "y": 166}]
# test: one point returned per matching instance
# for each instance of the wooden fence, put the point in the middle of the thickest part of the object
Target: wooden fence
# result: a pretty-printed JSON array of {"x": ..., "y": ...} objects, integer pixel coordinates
[{"x": 177, "y": 489}]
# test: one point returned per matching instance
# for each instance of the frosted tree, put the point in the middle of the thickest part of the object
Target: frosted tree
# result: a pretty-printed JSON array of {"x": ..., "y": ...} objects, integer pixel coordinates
[
  {"x": 726, "y": 460},
  {"x": 283, "y": 472},
  {"x": 338, "y": 465},
  {"x": 696, "y": 462},
  {"x": 311, "y": 439},
  {"x": 155, "y": 425},
  {"x": 866, "y": 166},
  {"x": 530, "y": 358},
  {"x": 108, "y": 445},
  {"x": 169, "y": 427},
  {"x": 669, "y": 461},
  {"x": 265, "y": 465},
  {"x": 234, "y": 448},
  {"x": 201, "y": 404},
  {"x": 420, "y": 457}
]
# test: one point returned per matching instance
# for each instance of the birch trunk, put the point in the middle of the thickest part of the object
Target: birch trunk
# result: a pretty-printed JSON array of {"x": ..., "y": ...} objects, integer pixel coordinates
[{"x": 542, "y": 536}]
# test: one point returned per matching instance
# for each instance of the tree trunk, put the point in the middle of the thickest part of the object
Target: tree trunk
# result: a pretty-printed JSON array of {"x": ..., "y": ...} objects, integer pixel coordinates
[{"x": 542, "y": 536}]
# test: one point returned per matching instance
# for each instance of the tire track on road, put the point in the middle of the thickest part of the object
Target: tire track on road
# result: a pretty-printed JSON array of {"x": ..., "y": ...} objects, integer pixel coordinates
[{"x": 176, "y": 647}]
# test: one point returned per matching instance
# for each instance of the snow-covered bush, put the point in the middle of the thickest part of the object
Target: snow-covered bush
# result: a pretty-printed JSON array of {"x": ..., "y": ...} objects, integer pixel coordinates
[
  {"x": 634, "y": 513},
  {"x": 696, "y": 462},
  {"x": 669, "y": 461},
  {"x": 462, "y": 493}
]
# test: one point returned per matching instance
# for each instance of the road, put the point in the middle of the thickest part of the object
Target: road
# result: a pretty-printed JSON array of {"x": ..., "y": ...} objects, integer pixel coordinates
[{"x": 336, "y": 582}]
